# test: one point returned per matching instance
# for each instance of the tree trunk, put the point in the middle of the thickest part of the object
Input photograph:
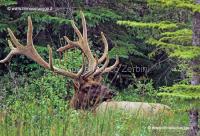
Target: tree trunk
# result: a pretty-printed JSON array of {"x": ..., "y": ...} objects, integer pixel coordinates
[
  {"x": 193, "y": 128},
  {"x": 193, "y": 113},
  {"x": 196, "y": 42}
]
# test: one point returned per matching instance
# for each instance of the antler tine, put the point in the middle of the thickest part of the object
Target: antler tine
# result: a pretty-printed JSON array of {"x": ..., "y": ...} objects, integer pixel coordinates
[
  {"x": 66, "y": 47},
  {"x": 7, "y": 58},
  {"x": 10, "y": 55},
  {"x": 30, "y": 32},
  {"x": 105, "y": 43},
  {"x": 74, "y": 44},
  {"x": 90, "y": 72},
  {"x": 14, "y": 50},
  {"x": 84, "y": 25},
  {"x": 13, "y": 38},
  {"x": 81, "y": 71},
  {"x": 28, "y": 50},
  {"x": 100, "y": 70},
  {"x": 50, "y": 58},
  {"x": 70, "y": 45},
  {"x": 76, "y": 30},
  {"x": 108, "y": 69},
  {"x": 82, "y": 43},
  {"x": 11, "y": 45},
  {"x": 62, "y": 72}
]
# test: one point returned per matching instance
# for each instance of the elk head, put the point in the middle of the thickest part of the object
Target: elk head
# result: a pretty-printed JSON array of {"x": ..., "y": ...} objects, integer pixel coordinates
[{"x": 89, "y": 91}]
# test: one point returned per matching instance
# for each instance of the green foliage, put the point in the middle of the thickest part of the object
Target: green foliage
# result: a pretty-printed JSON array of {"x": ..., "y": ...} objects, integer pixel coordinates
[
  {"x": 160, "y": 25},
  {"x": 182, "y": 36},
  {"x": 23, "y": 64},
  {"x": 183, "y": 52},
  {"x": 50, "y": 87},
  {"x": 182, "y": 91},
  {"x": 7, "y": 2},
  {"x": 145, "y": 88},
  {"x": 47, "y": 89},
  {"x": 40, "y": 119},
  {"x": 183, "y": 4},
  {"x": 34, "y": 102},
  {"x": 176, "y": 41},
  {"x": 170, "y": 41},
  {"x": 9, "y": 85},
  {"x": 3, "y": 27},
  {"x": 39, "y": 109},
  {"x": 182, "y": 32},
  {"x": 42, "y": 17},
  {"x": 123, "y": 49},
  {"x": 41, "y": 20},
  {"x": 95, "y": 16},
  {"x": 40, "y": 85},
  {"x": 137, "y": 91},
  {"x": 72, "y": 61}
]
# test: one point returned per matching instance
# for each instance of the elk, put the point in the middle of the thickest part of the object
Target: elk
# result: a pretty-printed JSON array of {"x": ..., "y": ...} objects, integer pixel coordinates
[{"x": 89, "y": 91}]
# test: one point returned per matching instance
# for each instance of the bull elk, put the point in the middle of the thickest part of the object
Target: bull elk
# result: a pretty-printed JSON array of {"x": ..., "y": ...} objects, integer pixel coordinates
[{"x": 89, "y": 91}]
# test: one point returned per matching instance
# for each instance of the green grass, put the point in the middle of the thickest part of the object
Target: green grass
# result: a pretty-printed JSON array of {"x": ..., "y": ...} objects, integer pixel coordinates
[
  {"x": 41, "y": 119},
  {"x": 38, "y": 109}
]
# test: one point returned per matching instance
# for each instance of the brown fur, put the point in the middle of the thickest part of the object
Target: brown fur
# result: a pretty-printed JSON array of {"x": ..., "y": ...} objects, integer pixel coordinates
[{"x": 89, "y": 93}]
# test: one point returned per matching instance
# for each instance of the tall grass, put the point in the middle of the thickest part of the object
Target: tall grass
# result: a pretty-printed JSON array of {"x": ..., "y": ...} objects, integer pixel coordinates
[
  {"x": 38, "y": 109},
  {"x": 33, "y": 119}
]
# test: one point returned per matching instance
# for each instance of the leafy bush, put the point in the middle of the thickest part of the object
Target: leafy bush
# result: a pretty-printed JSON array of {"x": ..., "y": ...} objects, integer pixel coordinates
[
  {"x": 138, "y": 91},
  {"x": 38, "y": 84}
]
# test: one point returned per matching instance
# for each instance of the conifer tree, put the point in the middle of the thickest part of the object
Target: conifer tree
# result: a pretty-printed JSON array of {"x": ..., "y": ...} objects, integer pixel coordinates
[{"x": 182, "y": 43}]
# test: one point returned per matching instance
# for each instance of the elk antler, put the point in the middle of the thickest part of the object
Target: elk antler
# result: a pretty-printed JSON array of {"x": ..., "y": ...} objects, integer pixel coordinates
[
  {"x": 82, "y": 44},
  {"x": 30, "y": 51},
  {"x": 88, "y": 89}
]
